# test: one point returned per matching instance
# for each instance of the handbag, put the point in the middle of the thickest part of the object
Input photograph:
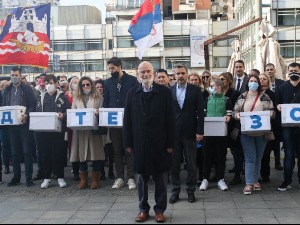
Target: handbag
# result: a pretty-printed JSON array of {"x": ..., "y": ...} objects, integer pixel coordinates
[{"x": 270, "y": 136}]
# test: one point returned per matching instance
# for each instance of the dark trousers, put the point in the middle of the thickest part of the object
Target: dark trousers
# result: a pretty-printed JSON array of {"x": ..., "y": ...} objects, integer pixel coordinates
[
  {"x": 20, "y": 142},
  {"x": 238, "y": 156},
  {"x": 5, "y": 146},
  {"x": 190, "y": 153},
  {"x": 275, "y": 146},
  {"x": 39, "y": 155},
  {"x": 96, "y": 166},
  {"x": 200, "y": 161},
  {"x": 292, "y": 147},
  {"x": 265, "y": 162},
  {"x": 160, "y": 193},
  {"x": 117, "y": 142},
  {"x": 215, "y": 151},
  {"x": 51, "y": 148}
]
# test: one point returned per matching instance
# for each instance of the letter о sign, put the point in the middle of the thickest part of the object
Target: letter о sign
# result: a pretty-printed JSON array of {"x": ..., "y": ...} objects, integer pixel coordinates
[{"x": 290, "y": 115}]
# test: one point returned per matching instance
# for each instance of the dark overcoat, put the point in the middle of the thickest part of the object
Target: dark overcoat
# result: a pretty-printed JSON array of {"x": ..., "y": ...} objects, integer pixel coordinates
[{"x": 149, "y": 128}]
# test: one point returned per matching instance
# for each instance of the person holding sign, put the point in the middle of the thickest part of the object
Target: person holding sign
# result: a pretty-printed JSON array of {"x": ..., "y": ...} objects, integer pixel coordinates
[
  {"x": 51, "y": 145},
  {"x": 19, "y": 94},
  {"x": 215, "y": 148},
  {"x": 86, "y": 144},
  {"x": 149, "y": 135},
  {"x": 289, "y": 93},
  {"x": 254, "y": 144}
]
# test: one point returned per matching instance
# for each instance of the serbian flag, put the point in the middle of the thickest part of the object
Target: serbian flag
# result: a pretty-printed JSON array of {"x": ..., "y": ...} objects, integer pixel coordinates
[
  {"x": 25, "y": 39},
  {"x": 146, "y": 26}
]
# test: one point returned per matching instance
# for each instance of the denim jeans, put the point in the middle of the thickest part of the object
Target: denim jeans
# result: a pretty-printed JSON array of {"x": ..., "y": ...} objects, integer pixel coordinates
[
  {"x": 20, "y": 142},
  {"x": 96, "y": 166},
  {"x": 254, "y": 148},
  {"x": 5, "y": 146},
  {"x": 292, "y": 147}
]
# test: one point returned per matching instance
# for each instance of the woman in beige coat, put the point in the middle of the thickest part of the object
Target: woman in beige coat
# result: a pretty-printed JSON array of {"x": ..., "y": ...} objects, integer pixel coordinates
[{"x": 87, "y": 145}]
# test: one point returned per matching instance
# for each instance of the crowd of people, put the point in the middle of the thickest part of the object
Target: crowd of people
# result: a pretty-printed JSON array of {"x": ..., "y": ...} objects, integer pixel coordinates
[{"x": 163, "y": 128}]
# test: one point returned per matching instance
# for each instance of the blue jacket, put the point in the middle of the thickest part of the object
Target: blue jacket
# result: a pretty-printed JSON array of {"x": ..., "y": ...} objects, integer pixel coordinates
[{"x": 114, "y": 98}]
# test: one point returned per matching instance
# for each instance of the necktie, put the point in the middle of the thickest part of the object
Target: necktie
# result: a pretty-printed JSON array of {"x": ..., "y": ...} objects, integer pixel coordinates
[
  {"x": 273, "y": 87},
  {"x": 239, "y": 85}
]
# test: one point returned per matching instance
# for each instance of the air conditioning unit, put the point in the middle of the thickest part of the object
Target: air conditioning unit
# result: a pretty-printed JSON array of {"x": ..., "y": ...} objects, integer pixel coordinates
[{"x": 192, "y": 4}]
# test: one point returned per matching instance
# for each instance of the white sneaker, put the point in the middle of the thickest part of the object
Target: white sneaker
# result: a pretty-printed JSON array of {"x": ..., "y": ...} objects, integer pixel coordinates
[
  {"x": 131, "y": 184},
  {"x": 46, "y": 184},
  {"x": 204, "y": 185},
  {"x": 119, "y": 183},
  {"x": 222, "y": 185},
  {"x": 62, "y": 183}
]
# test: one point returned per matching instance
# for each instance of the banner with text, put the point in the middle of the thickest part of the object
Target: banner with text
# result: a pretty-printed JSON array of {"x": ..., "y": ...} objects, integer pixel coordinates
[{"x": 199, "y": 34}]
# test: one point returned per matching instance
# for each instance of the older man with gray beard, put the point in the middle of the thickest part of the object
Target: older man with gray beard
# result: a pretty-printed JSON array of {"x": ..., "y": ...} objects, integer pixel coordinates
[{"x": 149, "y": 135}]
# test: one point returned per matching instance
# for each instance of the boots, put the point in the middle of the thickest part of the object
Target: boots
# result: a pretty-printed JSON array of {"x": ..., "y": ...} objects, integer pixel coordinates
[
  {"x": 83, "y": 180},
  {"x": 236, "y": 180},
  {"x": 96, "y": 180}
]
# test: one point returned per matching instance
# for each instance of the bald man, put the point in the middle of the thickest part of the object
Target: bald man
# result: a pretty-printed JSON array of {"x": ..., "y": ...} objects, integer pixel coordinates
[{"x": 149, "y": 135}]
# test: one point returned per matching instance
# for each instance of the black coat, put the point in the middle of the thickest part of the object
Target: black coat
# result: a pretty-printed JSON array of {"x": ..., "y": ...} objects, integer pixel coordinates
[
  {"x": 149, "y": 128},
  {"x": 189, "y": 119}
]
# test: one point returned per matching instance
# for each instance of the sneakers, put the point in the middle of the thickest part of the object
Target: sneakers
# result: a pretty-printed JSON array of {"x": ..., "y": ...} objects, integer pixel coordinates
[
  {"x": 62, "y": 183},
  {"x": 46, "y": 184},
  {"x": 131, "y": 184},
  {"x": 119, "y": 183},
  {"x": 222, "y": 185},
  {"x": 285, "y": 186},
  {"x": 204, "y": 185}
]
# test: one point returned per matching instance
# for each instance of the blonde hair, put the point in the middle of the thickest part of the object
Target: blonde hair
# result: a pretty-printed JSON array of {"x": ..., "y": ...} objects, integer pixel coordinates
[
  {"x": 269, "y": 79},
  {"x": 194, "y": 73}
]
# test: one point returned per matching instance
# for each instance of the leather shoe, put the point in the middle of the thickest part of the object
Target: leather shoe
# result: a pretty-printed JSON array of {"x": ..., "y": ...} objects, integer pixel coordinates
[
  {"x": 6, "y": 170},
  {"x": 160, "y": 218},
  {"x": 191, "y": 198},
  {"x": 174, "y": 199},
  {"x": 142, "y": 217}
]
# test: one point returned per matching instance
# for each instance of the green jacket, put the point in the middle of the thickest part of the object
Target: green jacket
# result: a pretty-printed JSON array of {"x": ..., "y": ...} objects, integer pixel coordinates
[{"x": 218, "y": 106}]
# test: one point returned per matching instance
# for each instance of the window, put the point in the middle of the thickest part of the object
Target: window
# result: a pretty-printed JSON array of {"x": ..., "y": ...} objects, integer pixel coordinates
[
  {"x": 125, "y": 43},
  {"x": 287, "y": 49},
  {"x": 287, "y": 17},
  {"x": 225, "y": 43},
  {"x": 94, "y": 45},
  {"x": 221, "y": 62},
  {"x": 181, "y": 41},
  {"x": 171, "y": 62},
  {"x": 133, "y": 64},
  {"x": 110, "y": 44}
]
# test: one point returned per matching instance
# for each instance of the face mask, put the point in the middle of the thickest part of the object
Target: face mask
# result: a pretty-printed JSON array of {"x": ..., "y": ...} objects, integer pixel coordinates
[
  {"x": 50, "y": 88},
  {"x": 75, "y": 87},
  {"x": 115, "y": 75},
  {"x": 253, "y": 86},
  {"x": 294, "y": 76},
  {"x": 87, "y": 92},
  {"x": 212, "y": 91},
  {"x": 15, "y": 80}
]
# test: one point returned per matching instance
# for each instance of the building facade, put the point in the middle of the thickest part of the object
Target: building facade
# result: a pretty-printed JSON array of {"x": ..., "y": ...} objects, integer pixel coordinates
[{"x": 284, "y": 15}]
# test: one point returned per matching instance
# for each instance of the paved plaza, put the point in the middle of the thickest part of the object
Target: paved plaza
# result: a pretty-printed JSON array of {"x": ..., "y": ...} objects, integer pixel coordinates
[{"x": 72, "y": 206}]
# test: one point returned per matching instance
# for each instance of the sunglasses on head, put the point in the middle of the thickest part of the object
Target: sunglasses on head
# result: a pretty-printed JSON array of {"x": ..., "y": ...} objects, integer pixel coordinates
[{"x": 86, "y": 85}]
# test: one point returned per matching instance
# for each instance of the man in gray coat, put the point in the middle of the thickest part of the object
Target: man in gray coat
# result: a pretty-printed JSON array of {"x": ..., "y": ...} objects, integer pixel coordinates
[{"x": 149, "y": 134}]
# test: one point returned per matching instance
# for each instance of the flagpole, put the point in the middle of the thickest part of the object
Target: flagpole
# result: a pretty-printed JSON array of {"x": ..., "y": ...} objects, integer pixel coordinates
[{"x": 52, "y": 23}]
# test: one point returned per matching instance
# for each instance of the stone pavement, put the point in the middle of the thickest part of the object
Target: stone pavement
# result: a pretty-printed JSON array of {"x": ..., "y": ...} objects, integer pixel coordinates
[{"x": 71, "y": 206}]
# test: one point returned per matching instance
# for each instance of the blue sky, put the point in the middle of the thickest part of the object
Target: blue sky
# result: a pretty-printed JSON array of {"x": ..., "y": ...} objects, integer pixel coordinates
[{"x": 100, "y": 4}]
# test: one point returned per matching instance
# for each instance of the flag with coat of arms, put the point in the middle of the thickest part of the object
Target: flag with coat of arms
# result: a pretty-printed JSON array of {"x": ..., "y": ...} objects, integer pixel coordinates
[
  {"x": 146, "y": 26},
  {"x": 25, "y": 39}
]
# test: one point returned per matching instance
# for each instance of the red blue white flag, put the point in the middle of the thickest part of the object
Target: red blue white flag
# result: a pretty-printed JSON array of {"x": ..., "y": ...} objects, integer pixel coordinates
[
  {"x": 146, "y": 26},
  {"x": 25, "y": 39}
]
